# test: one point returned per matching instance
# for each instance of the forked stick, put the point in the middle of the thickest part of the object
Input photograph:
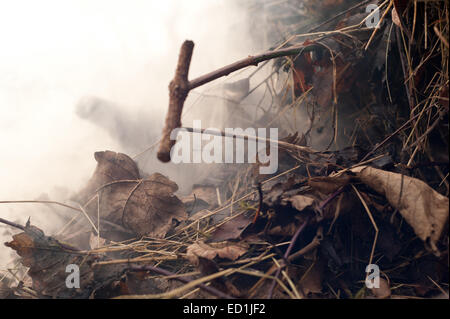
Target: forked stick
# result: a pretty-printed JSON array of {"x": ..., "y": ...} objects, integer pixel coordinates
[
  {"x": 178, "y": 91},
  {"x": 180, "y": 86}
]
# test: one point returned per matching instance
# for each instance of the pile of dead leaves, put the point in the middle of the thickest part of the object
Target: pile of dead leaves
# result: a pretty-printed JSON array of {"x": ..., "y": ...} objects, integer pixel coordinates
[{"x": 376, "y": 193}]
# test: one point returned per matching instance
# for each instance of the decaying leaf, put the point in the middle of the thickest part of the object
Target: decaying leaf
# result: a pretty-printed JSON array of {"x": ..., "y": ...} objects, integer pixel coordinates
[
  {"x": 425, "y": 210},
  {"x": 300, "y": 202},
  {"x": 210, "y": 251},
  {"x": 208, "y": 267},
  {"x": 396, "y": 18},
  {"x": 231, "y": 229},
  {"x": 111, "y": 166},
  {"x": 146, "y": 207},
  {"x": 310, "y": 279},
  {"x": 47, "y": 260}
]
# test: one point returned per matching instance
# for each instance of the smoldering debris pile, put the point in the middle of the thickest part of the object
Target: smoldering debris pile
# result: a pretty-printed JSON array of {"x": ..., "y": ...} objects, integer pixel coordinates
[{"x": 366, "y": 183}]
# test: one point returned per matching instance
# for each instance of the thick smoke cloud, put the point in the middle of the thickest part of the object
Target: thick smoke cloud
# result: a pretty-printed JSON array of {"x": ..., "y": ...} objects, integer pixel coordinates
[{"x": 56, "y": 54}]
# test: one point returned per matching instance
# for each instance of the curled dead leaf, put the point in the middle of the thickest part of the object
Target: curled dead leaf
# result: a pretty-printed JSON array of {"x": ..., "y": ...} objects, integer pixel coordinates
[
  {"x": 111, "y": 166},
  {"x": 425, "y": 210},
  {"x": 146, "y": 207}
]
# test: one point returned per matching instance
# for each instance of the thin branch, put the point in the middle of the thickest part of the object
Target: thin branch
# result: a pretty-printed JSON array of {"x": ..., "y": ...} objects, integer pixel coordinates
[
  {"x": 179, "y": 87},
  {"x": 7, "y": 222}
]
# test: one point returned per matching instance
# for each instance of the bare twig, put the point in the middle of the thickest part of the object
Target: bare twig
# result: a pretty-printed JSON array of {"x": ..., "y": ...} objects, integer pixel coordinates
[
  {"x": 180, "y": 86},
  {"x": 7, "y": 222}
]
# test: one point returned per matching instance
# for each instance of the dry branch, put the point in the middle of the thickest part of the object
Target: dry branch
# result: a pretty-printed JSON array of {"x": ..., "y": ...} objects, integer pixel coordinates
[{"x": 179, "y": 87}]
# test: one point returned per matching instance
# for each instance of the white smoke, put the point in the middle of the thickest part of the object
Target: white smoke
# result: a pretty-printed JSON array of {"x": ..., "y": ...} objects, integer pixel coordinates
[{"x": 53, "y": 53}]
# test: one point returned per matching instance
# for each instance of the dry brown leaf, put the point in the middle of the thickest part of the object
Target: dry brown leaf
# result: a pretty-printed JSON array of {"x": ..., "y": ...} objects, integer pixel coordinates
[
  {"x": 396, "y": 18},
  {"x": 111, "y": 166},
  {"x": 311, "y": 281},
  {"x": 231, "y": 229},
  {"x": 146, "y": 207},
  {"x": 47, "y": 259},
  {"x": 425, "y": 210},
  {"x": 96, "y": 242},
  {"x": 223, "y": 250},
  {"x": 300, "y": 202}
]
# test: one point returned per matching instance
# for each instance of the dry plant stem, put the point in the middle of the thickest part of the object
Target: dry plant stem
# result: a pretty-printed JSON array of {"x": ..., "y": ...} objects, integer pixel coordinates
[
  {"x": 286, "y": 256},
  {"x": 260, "y": 196},
  {"x": 115, "y": 226},
  {"x": 232, "y": 203},
  {"x": 441, "y": 37},
  {"x": 40, "y": 202},
  {"x": 390, "y": 137},
  {"x": 211, "y": 290},
  {"x": 177, "y": 291},
  {"x": 338, "y": 15},
  {"x": 12, "y": 224},
  {"x": 378, "y": 25},
  {"x": 371, "y": 220},
  {"x": 179, "y": 87},
  {"x": 331, "y": 197},
  {"x": 312, "y": 245},
  {"x": 403, "y": 59},
  {"x": 281, "y": 144},
  {"x": 251, "y": 60},
  {"x": 64, "y": 246}
]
